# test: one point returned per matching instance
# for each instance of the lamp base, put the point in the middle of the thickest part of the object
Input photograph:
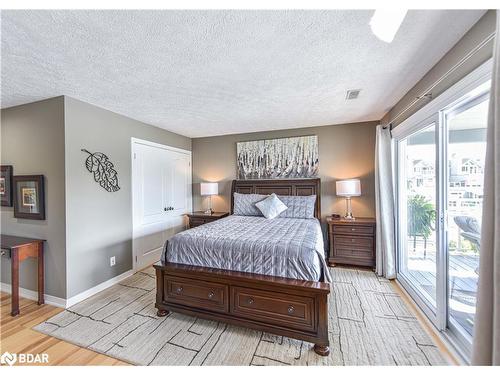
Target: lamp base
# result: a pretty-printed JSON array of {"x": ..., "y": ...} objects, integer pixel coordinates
[
  {"x": 348, "y": 210},
  {"x": 209, "y": 210}
]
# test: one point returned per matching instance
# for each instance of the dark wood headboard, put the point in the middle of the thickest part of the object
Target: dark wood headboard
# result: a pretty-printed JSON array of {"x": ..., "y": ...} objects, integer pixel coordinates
[{"x": 305, "y": 186}]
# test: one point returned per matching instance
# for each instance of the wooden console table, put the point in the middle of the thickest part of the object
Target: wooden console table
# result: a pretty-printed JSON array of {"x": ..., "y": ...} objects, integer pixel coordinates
[{"x": 19, "y": 249}]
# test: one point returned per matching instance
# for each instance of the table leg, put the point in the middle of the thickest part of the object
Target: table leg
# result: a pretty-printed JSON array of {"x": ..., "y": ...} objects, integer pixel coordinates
[
  {"x": 14, "y": 254},
  {"x": 41, "y": 279}
]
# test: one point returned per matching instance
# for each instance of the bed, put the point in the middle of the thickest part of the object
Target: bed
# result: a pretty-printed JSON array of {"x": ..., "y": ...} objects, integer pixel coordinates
[{"x": 263, "y": 274}]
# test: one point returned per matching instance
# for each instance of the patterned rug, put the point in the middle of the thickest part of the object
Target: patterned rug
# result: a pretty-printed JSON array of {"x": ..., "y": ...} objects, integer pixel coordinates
[{"x": 369, "y": 324}]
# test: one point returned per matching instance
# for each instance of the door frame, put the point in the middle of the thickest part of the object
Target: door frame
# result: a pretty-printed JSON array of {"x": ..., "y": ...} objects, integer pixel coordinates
[
  {"x": 434, "y": 316},
  {"x": 136, "y": 141},
  {"x": 471, "y": 86}
]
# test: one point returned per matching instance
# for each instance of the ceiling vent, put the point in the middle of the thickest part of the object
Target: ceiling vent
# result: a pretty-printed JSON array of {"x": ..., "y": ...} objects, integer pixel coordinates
[{"x": 352, "y": 94}]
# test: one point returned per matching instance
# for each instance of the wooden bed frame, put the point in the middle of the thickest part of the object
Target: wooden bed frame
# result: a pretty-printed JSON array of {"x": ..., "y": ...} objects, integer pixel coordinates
[{"x": 282, "y": 306}]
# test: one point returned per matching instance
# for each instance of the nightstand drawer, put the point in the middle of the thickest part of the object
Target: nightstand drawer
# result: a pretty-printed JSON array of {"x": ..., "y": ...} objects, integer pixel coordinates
[
  {"x": 195, "y": 222},
  {"x": 350, "y": 252},
  {"x": 353, "y": 242},
  {"x": 353, "y": 229},
  {"x": 199, "y": 218}
]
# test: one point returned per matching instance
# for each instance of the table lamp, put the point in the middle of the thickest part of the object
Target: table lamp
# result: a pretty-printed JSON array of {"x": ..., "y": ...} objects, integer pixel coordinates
[
  {"x": 209, "y": 188},
  {"x": 348, "y": 188}
]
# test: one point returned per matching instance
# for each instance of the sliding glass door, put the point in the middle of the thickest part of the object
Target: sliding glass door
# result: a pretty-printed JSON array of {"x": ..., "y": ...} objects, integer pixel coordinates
[
  {"x": 439, "y": 183},
  {"x": 417, "y": 213},
  {"x": 466, "y": 148}
]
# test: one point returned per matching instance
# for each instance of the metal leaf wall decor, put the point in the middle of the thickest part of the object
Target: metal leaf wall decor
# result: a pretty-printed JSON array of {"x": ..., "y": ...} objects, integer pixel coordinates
[{"x": 103, "y": 170}]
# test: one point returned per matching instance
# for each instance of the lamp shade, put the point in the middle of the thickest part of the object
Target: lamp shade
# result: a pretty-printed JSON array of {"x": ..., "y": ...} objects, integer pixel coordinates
[
  {"x": 209, "y": 188},
  {"x": 349, "y": 188}
]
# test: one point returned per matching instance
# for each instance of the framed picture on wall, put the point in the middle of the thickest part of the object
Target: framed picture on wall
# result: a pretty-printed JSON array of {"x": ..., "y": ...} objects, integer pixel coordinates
[
  {"x": 6, "y": 185},
  {"x": 29, "y": 197}
]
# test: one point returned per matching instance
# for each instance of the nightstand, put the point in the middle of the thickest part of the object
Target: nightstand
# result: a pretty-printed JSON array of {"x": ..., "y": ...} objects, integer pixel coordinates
[
  {"x": 198, "y": 218},
  {"x": 352, "y": 241}
]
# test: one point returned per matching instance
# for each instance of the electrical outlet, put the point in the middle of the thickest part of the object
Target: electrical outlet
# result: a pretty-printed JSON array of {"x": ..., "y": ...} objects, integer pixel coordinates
[{"x": 112, "y": 261}]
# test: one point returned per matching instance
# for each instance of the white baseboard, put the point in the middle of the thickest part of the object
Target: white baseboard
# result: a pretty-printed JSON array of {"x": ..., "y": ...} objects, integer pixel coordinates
[
  {"x": 33, "y": 295},
  {"x": 65, "y": 303},
  {"x": 98, "y": 288}
]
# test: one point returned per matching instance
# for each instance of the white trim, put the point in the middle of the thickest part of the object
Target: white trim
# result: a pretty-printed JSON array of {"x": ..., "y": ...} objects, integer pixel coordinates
[
  {"x": 98, "y": 288},
  {"x": 65, "y": 303},
  {"x": 32, "y": 295},
  {"x": 448, "y": 98},
  {"x": 159, "y": 145}
]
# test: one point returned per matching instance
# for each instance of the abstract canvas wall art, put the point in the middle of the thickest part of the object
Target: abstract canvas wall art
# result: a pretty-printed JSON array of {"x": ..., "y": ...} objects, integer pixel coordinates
[{"x": 296, "y": 157}]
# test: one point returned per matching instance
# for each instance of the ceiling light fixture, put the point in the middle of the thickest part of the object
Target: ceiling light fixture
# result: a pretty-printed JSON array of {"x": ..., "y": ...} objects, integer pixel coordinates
[{"x": 385, "y": 23}]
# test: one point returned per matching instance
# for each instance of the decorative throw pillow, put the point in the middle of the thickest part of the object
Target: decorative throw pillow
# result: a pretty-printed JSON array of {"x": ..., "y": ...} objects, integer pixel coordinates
[
  {"x": 299, "y": 207},
  {"x": 244, "y": 204},
  {"x": 271, "y": 207}
]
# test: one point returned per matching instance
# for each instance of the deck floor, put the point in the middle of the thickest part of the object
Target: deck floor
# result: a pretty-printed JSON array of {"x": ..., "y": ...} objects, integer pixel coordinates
[{"x": 462, "y": 285}]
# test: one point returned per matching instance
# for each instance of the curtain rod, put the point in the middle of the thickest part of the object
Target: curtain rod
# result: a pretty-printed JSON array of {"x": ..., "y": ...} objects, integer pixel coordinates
[{"x": 427, "y": 92}]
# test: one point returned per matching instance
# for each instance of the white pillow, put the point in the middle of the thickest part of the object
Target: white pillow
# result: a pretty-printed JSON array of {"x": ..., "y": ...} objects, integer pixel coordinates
[{"x": 271, "y": 207}]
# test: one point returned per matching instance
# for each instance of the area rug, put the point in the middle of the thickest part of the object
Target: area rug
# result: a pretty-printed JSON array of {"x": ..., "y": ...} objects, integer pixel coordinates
[{"x": 369, "y": 324}]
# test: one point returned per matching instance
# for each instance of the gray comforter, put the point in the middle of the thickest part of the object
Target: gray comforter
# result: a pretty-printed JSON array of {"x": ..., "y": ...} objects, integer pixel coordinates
[{"x": 285, "y": 247}]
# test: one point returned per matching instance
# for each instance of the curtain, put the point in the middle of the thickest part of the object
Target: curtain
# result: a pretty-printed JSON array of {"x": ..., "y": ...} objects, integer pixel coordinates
[
  {"x": 486, "y": 342},
  {"x": 384, "y": 205}
]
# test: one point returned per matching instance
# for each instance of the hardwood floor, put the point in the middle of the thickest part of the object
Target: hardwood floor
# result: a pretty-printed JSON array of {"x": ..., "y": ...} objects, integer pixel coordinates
[{"x": 16, "y": 336}]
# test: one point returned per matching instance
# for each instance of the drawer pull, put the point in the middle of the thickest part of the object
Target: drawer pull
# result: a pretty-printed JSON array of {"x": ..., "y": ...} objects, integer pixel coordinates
[
  {"x": 250, "y": 301},
  {"x": 211, "y": 294},
  {"x": 291, "y": 309},
  {"x": 353, "y": 229},
  {"x": 179, "y": 289},
  {"x": 353, "y": 240}
]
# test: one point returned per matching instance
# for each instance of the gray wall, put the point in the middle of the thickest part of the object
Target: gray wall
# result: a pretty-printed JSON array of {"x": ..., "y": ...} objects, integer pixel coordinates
[
  {"x": 33, "y": 142},
  {"x": 99, "y": 223},
  {"x": 475, "y": 36},
  {"x": 345, "y": 151}
]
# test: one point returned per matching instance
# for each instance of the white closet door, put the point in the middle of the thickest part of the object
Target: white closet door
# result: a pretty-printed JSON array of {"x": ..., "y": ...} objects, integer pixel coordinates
[
  {"x": 181, "y": 183},
  {"x": 151, "y": 179},
  {"x": 161, "y": 180},
  {"x": 179, "y": 191}
]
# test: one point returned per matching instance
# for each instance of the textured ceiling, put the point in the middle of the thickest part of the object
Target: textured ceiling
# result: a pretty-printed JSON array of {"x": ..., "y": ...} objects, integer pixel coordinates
[{"x": 201, "y": 73}]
